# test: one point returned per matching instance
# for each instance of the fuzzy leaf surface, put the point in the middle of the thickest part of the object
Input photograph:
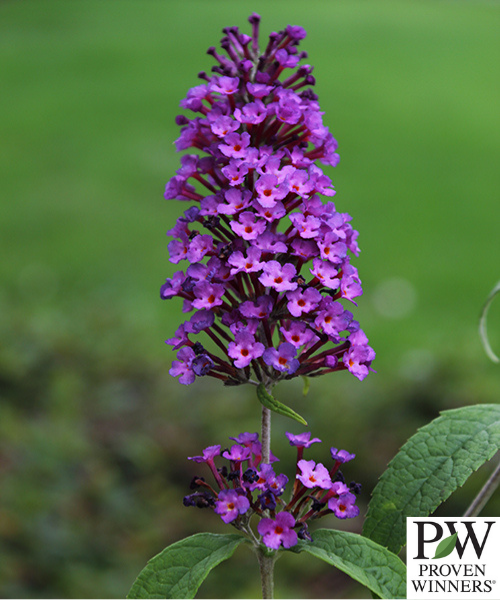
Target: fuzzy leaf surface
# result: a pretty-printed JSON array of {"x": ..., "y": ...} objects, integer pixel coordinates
[
  {"x": 372, "y": 565},
  {"x": 432, "y": 464},
  {"x": 180, "y": 569}
]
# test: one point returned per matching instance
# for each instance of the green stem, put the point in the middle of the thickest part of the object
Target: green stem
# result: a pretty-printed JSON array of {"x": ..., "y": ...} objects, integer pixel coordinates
[
  {"x": 266, "y": 565},
  {"x": 266, "y": 435},
  {"x": 484, "y": 495},
  {"x": 266, "y": 562}
]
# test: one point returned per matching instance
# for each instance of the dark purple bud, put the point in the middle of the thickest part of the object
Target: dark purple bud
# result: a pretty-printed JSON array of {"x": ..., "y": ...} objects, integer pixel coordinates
[
  {"x": 303, "y": 534},
  {"x": 246, "y": 65},
  {"x": 355, "y": 487},
  {"x": 199, "y": 499},
  {"x": 304, "y": 70},
  {"x": 308, "y": 95},
  {"x": 262, "y": 77},
  {"x": 202, "y": 364},
  {"x": 317, "y": 505},
  {"x": 339, "y": 476},
  {"x": 296, "y": 32},
  {"x": 198, "y": 348},
  {"x": 190, "y": 215},
  {"x": 233, "y": 476},
  {"x": 254, "y": 19},
  {"x": 299, "y": 280},
  {"x": 181, "y": 120},
  {"x": 225, "y": 251},
  {"x": 250, "y": 476},
  {"x": 195, "y": 482},
  {"x": 267, "y": 500},
  {"x": 211, "y": 222},
  {"x": 188, "y": 284}
]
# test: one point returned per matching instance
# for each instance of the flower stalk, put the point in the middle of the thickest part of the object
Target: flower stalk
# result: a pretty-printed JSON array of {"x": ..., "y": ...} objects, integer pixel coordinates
[
  {"x": 266, "y": 434},
  {"x": 266, "y": 567},
  {"x": 484, "y": 494}
]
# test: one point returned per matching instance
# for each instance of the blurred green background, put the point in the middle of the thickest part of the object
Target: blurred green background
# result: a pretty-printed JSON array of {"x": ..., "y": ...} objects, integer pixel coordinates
[{"x": 93, "y": 431}]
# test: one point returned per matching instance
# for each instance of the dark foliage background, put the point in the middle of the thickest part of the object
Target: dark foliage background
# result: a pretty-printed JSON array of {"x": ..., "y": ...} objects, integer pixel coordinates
[{"x": 93, "y": 431}]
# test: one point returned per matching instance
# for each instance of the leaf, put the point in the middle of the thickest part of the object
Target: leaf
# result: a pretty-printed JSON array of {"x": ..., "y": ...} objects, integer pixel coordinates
[
  {"x": 372, "y": 565},
  {"x": 482, "y": 324},
  {"x": 180, "y": 569},
  {"x": 432, "y": 464},
  {"x": 271, "y": 403},
  {"x": 446, "y": 546}
]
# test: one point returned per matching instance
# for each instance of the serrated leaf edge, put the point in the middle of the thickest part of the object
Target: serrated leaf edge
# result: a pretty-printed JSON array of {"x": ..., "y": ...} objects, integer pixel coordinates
[{"x": 442, "y": 413}]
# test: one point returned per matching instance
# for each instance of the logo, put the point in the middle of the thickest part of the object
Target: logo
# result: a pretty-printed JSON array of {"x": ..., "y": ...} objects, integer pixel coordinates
[{"x": 451, "y": 557}]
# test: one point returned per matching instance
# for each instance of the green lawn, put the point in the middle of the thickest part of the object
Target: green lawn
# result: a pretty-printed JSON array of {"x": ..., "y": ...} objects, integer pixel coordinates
[{"x": 92, "y": 427}]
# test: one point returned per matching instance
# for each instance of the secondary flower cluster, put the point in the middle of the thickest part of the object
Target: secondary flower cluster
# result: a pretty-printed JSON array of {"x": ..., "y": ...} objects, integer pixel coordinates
[
  {"x": 269, "y": 260},
  {"x": 247, "y": 487}
]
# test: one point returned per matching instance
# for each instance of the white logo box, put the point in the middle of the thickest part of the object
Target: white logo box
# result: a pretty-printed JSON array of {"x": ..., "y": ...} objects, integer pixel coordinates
[{"x": 468, "y": 568}]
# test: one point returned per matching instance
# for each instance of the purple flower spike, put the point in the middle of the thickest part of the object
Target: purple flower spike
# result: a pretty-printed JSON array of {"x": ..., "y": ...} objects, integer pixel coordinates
[
  {"x": 230, "y": 505},
  {"x": 268, "y": 253},
  {"x": 255, "y": 491},
  {"x": 278, "y": 531}
]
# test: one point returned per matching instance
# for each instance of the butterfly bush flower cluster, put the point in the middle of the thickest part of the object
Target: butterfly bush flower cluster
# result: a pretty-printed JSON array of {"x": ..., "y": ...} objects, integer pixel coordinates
[
  {"x": 268, "y": 258},
  {"x": 246, "y": 487}
]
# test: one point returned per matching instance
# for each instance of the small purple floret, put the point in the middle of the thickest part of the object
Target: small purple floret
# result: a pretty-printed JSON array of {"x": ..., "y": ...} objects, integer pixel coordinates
[
  {"x": 344, "y": 506},
  {"x": 313, "y": 475},
  {"x": 302, "y": 440},
  {"x": 283, "y": 359},
  {"x": 342, "y": 456},
  {"x": 208, "y": 455},
  {"x": 230, "y": 505},
  {"x": 278, "y": 531}
]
